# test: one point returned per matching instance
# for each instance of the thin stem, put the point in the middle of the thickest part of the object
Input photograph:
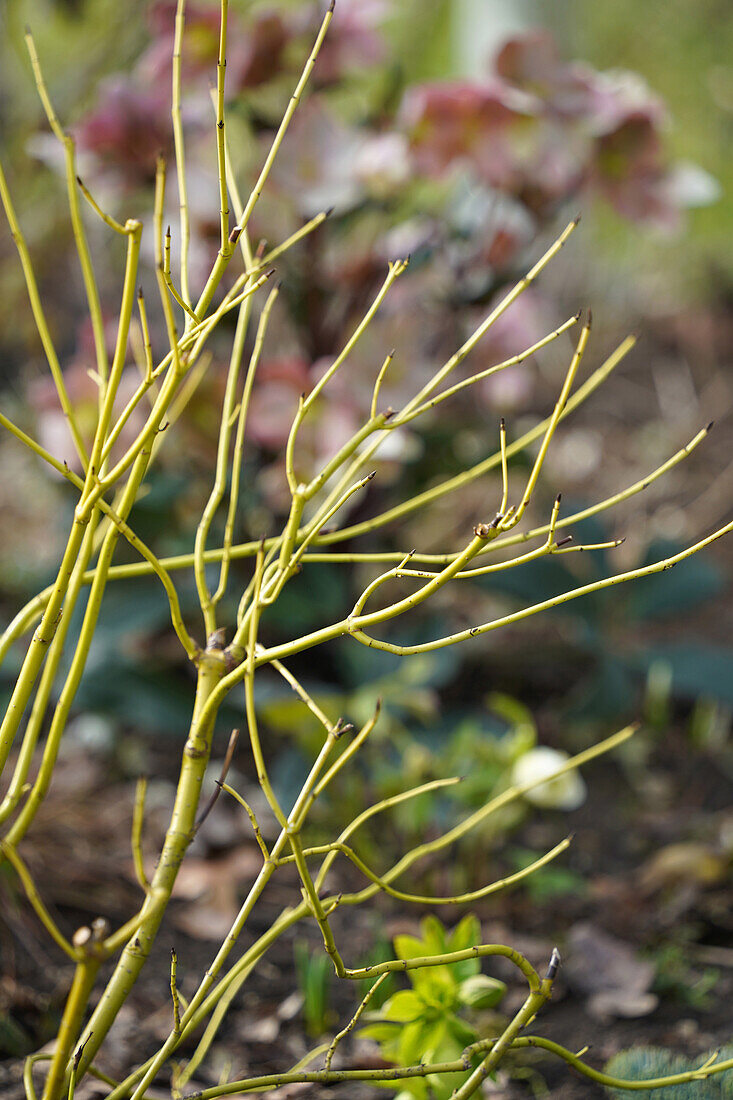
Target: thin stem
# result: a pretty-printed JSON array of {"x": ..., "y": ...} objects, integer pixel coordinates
[
  {"x": 378, "y": 383},
  {"x": 526, "y": 612},
  {"x": 252, "y": 817},
  {"x": 396, "y": 268},
  {"x": 39, "y": 317},
  {"x": 533, "y": 478},
  {"x": 249, "y": 697},
  {"x": 17, "y": 787},
  {"x": 180, "y": 152},
  {"x": 463, "y": 828},
  {"x": 430, "y": 899},
  {"x": 707, "y": 1069},
  {"x": 144, "y": 328},
  {"x": 504, "y": 472},
  {"x": 209, "y": 602},
  {"x": 353, "y": 1021},
  {"x": 429, "y": 496},
  {"x": 106, "y": 218},
  {"x": 36, "y": 901},
  {"x": 138, "y": 817},
  {"x": 220, "y": 124},
  {"x": 514, "y": 360},
  {"x": 225, "y": 254},
  {"x": 82, "y": 248},
  {"x": 534, "y": 1002},
  {"x": 174, "y": 994},
  {"x": 508, "y": 299}
]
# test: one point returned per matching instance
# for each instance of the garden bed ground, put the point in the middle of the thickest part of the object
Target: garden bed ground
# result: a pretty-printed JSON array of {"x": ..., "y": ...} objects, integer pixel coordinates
[{"x": 646, "y": 884}]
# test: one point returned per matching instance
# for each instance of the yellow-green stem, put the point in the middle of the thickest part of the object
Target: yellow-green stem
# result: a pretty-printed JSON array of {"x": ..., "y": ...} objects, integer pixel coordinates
[
  {"x": 178, "y": 837},
  {"x": 71, "y": 1022}
]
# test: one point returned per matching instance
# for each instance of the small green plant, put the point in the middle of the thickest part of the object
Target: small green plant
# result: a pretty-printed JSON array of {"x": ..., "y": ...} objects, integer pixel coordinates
[
  {"x": 436, "y": 1018},
  {"x": 314, "y": 972},
  {"x": 236, "y": 644}
]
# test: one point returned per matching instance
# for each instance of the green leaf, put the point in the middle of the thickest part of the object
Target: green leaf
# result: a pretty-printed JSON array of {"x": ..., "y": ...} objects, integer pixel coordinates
[
  {"x": 465, "y": 934},
  {"x": 412, "y": 1045},
  {"x": 403, "y": 1007},
  {"x": 481, "y": 991},
  {"x": 408, "y": 947},
  {"x": 433, "y": 933},
  {"x": 381, "y": 1032}
]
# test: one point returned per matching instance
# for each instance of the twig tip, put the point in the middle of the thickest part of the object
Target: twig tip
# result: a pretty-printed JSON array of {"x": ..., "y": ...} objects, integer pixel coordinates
[{"x": 554, "y": 965}]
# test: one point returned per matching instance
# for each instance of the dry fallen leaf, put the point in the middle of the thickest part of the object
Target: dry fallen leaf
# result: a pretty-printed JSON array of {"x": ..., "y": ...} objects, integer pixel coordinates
[
  {"x": 212, "y": 889},
  {"x": 684, "y": 864},
  {"x": 609, "y": 972}
]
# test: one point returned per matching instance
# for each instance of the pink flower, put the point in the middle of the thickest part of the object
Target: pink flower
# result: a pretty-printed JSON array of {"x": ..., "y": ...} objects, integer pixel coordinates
[{"x": 128, "y": 129}]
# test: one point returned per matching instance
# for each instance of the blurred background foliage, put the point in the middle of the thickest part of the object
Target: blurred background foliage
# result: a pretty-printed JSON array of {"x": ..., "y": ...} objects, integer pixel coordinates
[{"x": 464, "y": 132}]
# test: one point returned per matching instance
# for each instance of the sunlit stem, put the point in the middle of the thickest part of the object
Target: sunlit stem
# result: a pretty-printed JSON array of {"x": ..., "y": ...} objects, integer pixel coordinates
[
  {"x": 429, "y": 496},
  {"x": 709, "y": 1069},
  {"x": 106, "y": 218},
  {"x": 378, "y": 384},
  {"x": 430, "y": 899},
  {"x": 420, "y": 410},
  {"x": 304, "y": 696},
  {"x": 554, "y": 420},
  {"x": 395, "y": 270},
  {"x": 138, "y": 817},
  {"x": 225, "y": 254},
  {"x": 17, "y": 787},
  {"x": 174, "y": 994},
  {"x": 249, "y": 697},
  {"x": 463, "y": 828},
  {"x": 236, "y": 474},
  {"x": 180, "y": 149},
  {"x": 526, "y": 612},
  {"x": 495, "y": 314},
  {"x": 145, "y": 329},
  {"x": 39, "y": 317},
  {"x": 221, "y": 122},
  {"x": 348, "y": 752},
  {"x": 36, "y": 901},
  {"x": 82, "y": 248},
  {"x": 504, "y": 473},
  {"x": 252, "y": 817}
]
